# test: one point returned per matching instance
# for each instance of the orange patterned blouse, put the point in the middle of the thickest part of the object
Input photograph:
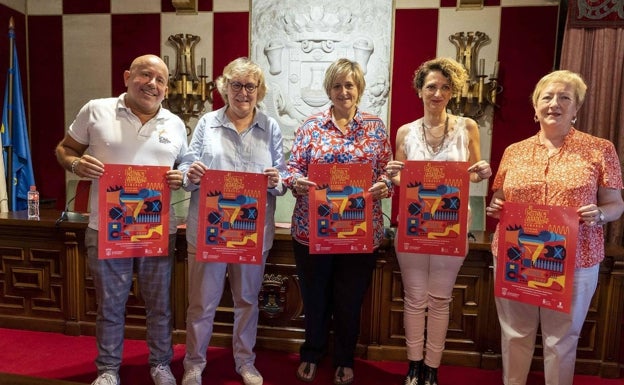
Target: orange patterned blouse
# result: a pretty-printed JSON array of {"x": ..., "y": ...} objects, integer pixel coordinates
[{"x": 570, "y": 177}]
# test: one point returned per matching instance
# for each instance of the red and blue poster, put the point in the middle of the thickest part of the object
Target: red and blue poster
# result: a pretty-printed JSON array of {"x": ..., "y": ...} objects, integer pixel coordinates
[
  {"x": 341, "y": 211},
  {"x": 536, "y": 255},
  {"x": 133, "y": 211},
  {"x": 433, "y": 208},
  {"x": 232, "y": 211}
]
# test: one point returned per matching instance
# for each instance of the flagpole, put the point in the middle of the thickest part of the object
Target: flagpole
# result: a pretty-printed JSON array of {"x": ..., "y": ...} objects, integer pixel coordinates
[
  {"x": 9, "y": 146},
  {"x": 15, "y": 133}
]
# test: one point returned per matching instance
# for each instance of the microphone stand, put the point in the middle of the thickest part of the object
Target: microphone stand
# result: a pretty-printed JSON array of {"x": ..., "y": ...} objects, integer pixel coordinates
[{"x": 66, "y": 215}]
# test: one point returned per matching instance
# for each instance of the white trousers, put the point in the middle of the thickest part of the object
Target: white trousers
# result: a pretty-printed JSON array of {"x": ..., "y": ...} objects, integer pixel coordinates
[
  {"x": 560, "y": 333},
  {"x": 206, "y": 282}
]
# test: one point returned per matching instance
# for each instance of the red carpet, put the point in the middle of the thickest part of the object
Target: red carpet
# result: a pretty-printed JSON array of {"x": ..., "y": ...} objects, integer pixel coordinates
[{"x": 57, "y": 356}]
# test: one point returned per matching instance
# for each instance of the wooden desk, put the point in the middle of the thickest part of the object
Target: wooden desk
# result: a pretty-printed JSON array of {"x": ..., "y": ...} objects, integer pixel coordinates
[
  {"x": 46, "y": 286},
  {"x": 41, "y": 272}
]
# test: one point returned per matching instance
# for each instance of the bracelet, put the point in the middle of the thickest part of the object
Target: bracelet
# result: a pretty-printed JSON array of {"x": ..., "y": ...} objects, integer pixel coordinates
[{"x": 74, "y": 163}]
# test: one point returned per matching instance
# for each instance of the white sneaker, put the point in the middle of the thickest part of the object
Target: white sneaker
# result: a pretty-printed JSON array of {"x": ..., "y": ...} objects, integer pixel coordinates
[
  {"x": 251, "y": 375},
  {"x": 192, "y": 376},
  {"x": 107, "y": 378},
  {"x": 162, "y": 375}
]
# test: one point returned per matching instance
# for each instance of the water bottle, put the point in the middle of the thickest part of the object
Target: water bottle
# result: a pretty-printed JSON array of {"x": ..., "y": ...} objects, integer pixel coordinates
[{"x": 33, "y": 203}]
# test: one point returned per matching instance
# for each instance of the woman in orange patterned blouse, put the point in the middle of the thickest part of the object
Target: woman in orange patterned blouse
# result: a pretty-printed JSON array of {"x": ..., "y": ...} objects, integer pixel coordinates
[{"x": 559, "y": 166}]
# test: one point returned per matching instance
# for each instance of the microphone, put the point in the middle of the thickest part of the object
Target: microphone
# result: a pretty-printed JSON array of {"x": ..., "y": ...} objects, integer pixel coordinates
[
  {"x": 68, "y": 215},
  {"x": 180, "y": 201}
]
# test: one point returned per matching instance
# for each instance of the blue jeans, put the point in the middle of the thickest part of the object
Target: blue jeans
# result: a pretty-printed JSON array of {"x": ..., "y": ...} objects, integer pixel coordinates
[{"x": 112, "y": 279}]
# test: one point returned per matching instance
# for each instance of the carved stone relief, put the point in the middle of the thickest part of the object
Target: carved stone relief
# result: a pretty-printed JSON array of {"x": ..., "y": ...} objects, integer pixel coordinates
[{"x": 294, "y": 41}]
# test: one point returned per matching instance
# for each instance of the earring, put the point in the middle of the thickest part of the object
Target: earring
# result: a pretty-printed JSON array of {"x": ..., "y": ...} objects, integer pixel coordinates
[
  {"x": 535, "y": 119},
  {"x": 574, "y": 120}
]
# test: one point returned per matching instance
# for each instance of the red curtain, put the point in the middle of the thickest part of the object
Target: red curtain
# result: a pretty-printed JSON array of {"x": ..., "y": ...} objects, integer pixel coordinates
[{"x": 597, "y": 53}]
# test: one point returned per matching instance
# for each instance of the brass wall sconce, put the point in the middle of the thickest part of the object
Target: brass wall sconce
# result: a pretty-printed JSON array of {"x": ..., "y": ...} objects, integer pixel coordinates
[
  {"x": 468, "y": 4},
  {"x": 476, "y": 94},
  {"x": 185, "y": 6},
  {"x": 188, "y": 92}
]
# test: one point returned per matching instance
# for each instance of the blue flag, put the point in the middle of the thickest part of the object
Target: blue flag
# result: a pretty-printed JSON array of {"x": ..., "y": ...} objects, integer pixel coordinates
[{"x": 22, "y": 176}]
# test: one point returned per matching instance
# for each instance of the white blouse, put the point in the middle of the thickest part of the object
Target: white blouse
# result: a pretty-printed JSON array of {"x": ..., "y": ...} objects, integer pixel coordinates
[{"x": 454, "y": 148}]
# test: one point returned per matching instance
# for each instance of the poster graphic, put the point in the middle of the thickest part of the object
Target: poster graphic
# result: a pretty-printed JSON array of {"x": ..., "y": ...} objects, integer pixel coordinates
[
  {"x": 537, "y": 245},
  {"x": 134, "y": 211},
  {"x": 231, "y": 217},
  {"x": 341, "y": 211},
  {"x": 433, "y": 208}
]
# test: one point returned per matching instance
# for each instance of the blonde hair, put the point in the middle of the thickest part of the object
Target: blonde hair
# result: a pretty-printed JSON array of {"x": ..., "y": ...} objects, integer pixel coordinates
[
  {"x": 450, "y": 69},
  {"x": 562, "y": 76},
  {"x": 242, "y": 67},
  {"x": 342, "y": 68}
]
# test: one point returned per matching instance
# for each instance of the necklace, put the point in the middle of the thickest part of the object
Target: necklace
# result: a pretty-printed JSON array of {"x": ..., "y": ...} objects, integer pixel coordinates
[
  {"x": 434, "y": 149},
  {"x": 430, "y": 129}
]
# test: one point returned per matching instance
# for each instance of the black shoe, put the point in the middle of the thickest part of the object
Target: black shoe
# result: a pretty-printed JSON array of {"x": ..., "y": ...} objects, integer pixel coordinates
[
  {"x": 430, "y": 376},
  {"x": 414, "y": 373}
]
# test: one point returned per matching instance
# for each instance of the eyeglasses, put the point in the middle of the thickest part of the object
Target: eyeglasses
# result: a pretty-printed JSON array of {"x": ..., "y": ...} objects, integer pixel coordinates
[{"x": 249, "y": 87}]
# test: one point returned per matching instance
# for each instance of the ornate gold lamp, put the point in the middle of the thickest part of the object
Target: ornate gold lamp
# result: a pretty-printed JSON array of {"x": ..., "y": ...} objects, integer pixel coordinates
[
  {"x": 185, "y": 6},
  {"x": 188, "y": 92},
  {"x": 476, "y": 94}
]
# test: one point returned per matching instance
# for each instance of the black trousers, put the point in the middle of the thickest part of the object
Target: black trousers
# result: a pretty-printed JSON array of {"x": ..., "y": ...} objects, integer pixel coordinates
[{"x": 333, "y": 288}]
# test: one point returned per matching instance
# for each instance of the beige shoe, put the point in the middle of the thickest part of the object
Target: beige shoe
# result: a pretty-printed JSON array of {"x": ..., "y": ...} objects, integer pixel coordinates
[
  {"x": 192, "y": 376},
  {"x": 107, "y": 378},
  {"x": 250, "y": 375}
]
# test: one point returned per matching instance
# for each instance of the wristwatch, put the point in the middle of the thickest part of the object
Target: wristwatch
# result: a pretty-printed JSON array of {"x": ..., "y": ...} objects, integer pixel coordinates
[
  {"x": 601, "y": 216},
  {"x": 186, "y": 182}
]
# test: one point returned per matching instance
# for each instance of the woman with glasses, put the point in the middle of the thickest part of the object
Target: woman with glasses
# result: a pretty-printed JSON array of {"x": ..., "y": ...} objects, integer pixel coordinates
[
  {"x": 428, "y": 279},
  {"x": 237, "y": 137},
  {"x": 333, "y": 285}
]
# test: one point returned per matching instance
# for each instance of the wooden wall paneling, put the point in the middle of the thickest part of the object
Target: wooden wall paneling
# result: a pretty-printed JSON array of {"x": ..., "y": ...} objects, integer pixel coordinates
[{"x": 49, "y": 288}]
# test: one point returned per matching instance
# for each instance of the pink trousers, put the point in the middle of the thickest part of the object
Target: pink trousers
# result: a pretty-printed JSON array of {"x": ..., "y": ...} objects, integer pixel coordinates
[{"x": 428, "y": 282}]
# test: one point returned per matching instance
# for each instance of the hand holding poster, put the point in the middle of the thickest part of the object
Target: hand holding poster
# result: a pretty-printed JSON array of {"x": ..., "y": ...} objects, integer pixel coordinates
[
  {"x": 231, "y": 217},
  {"x": 537, "y": 246},
  {"x": 341, "y": 210},
  {"x": 134, "y": 203},
  {"x": 433, "y": 208}
]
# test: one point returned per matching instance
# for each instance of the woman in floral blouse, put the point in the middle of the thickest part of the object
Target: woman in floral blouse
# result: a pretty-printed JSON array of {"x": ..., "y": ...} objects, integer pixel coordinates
[
  {"x": 333, "y": 285},
  {"x": 558, "y": 166}
]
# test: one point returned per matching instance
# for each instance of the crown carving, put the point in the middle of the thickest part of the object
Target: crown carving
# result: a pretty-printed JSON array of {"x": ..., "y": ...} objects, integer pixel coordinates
[
  {"x": 318, "y": 23},
  {"x": 274, "y": 279}
]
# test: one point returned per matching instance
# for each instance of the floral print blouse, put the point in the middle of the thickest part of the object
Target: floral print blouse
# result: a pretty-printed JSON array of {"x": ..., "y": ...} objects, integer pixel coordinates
[{"x": 319, "y": 141}]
